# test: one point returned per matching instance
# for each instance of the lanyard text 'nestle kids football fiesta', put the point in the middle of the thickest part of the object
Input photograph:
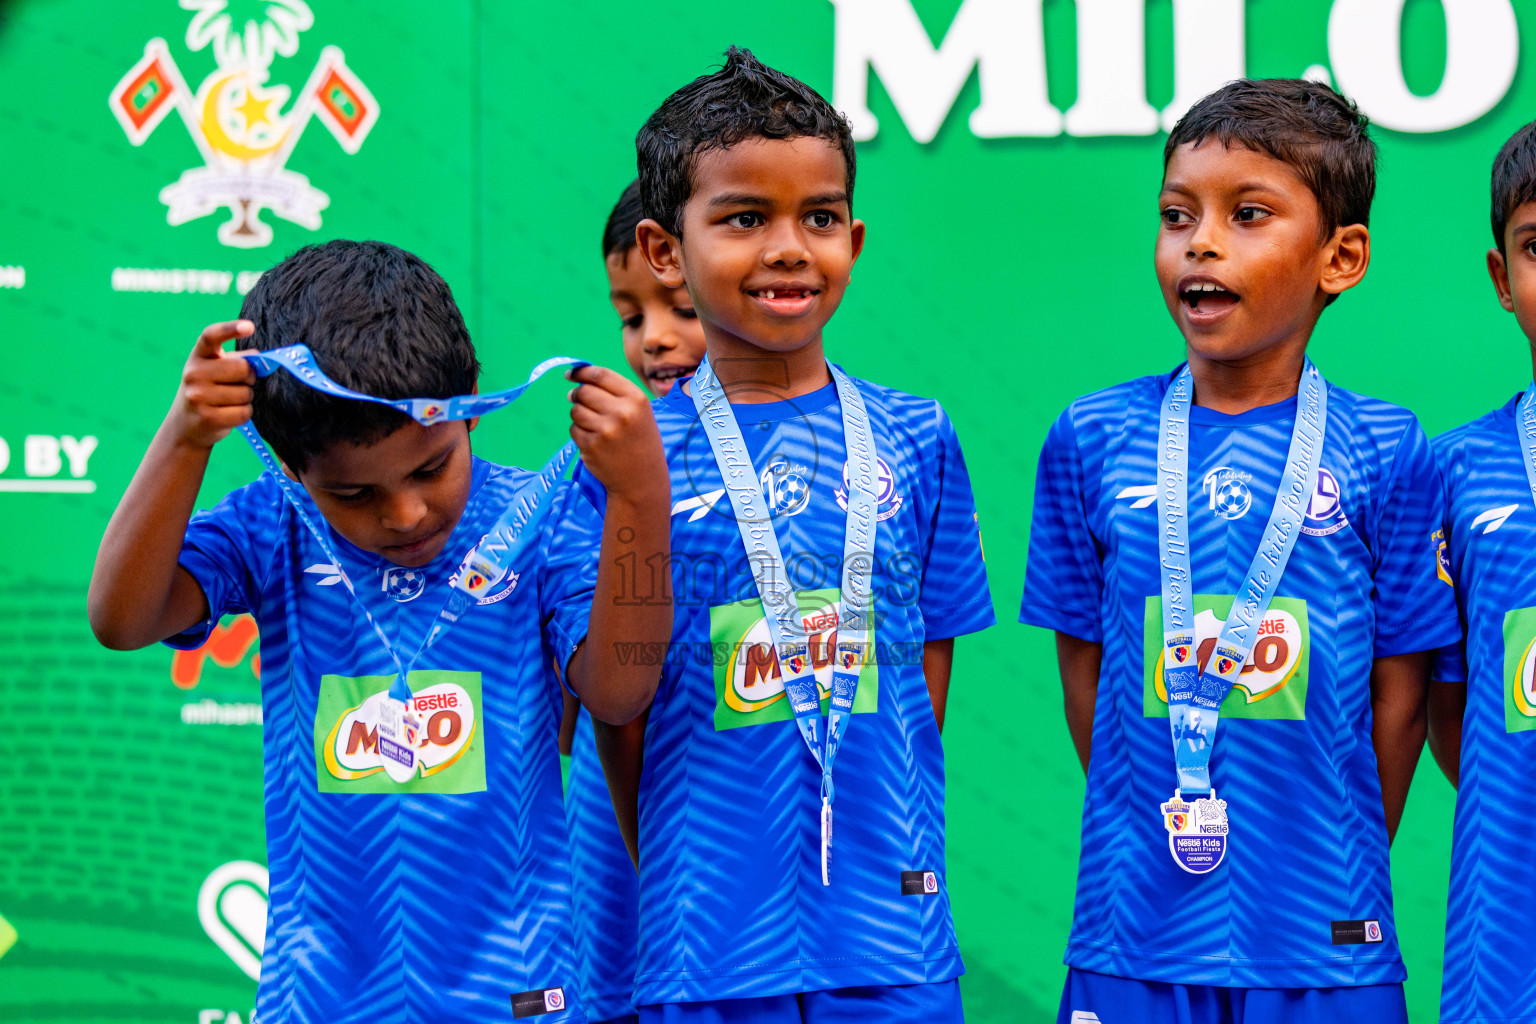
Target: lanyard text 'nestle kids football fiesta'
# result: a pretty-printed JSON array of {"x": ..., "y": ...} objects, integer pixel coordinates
[
  {"x": 781, "y": 609},
  {"x": 1197, "y": 831},
  {"x": 399, "y": 730}
]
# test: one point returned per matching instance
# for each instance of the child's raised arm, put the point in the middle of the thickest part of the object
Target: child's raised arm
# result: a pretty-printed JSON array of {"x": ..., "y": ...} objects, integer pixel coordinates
[
  {"x": 612, "y": 424},
  {"x": 139, "y": 595}
]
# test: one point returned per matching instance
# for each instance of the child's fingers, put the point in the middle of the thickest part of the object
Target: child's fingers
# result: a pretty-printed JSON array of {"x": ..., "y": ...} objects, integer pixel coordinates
[
  {"x": 220, "y": 395},
  {"x": 603, "y": 379},
  {"x": 588, "y": 419},
  {"x": 210, "y": 343},
  {"x": 592, "y": 397}
]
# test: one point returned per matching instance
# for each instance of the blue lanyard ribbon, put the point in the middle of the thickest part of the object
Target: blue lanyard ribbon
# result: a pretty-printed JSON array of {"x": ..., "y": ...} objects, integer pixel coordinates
[
  {"x": 1525, "y": 429},
  {"x": 781, "y": 609},
  {"x": 490, "y": 559},
  {"x": 1194, "y": 697}
]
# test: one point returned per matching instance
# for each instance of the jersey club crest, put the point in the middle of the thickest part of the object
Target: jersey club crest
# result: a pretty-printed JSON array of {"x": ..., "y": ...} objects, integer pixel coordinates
[{"x": 243, "y": 126}]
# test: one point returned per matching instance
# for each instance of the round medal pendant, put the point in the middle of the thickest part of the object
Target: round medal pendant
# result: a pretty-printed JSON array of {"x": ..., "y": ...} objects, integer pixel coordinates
[{"x": 1197, "y": 832}]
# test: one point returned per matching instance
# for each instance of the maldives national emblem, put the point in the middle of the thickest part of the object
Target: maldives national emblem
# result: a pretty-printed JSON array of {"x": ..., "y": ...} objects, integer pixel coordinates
[{"x": 238, "y": 120}]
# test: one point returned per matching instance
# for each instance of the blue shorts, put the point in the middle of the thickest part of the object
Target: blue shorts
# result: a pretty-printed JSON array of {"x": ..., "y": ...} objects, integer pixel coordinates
[
  {"x": 938, "y": 1003},
  {"x": 1103, "y": 999}
]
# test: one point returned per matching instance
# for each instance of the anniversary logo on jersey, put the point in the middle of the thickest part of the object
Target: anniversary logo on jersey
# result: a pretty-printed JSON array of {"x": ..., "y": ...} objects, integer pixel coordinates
[
  {"x": 1227, "y": 492},
  {"x": 749, "y": 682},
  {"x": 1325, "y": 512},
  {"x": 786, "y": 486},
  {"x": 1520, "y": 670},
  {"x": 244, "y": 125},
  {"x": 1272, "y": 682},
  {"x": 887, "y": 501},
  {"x": 447, "y": 735}
]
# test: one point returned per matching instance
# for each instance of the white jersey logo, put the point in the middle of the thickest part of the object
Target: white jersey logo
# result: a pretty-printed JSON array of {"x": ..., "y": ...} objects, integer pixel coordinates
[
  {"x": 1085, "y": 1017},
  {"x": 699, "y": 503},
  {"x": 329, "y": 573},
  {"x": 1144, "y": 496},
  {"x": 1494, "y": 517}
]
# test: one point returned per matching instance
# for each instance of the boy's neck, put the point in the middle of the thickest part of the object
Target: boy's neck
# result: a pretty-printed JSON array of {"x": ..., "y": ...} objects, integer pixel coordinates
[
  {"x": 1236, "y": 387},
  {"x": 751, "y": 375}
]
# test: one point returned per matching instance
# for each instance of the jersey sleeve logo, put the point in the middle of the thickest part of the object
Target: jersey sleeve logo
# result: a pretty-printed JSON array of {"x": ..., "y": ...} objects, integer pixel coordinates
[
  {"x": 1272, "y": 683},
  {"x": 447, "y": 737},
  {"x": 749, "y": 682},
  {"x": 1227, "y": 491}
]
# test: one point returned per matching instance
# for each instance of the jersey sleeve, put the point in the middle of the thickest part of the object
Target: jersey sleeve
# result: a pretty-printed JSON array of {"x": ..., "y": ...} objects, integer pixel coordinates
[
  {"x": 228, "y": 550},
  {"x": 954, "y": 598},
  {"x": 1064, "y": 577},
  {"x": 573, "y": 537},
  {"x": 1415, "y": 603}
]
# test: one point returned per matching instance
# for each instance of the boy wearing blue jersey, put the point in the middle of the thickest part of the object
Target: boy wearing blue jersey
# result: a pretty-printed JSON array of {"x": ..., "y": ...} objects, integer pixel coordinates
[
  {"x": 825, "y": 557},
  {"x": 1482, "y": 722},
  {"x": 663, "y": 342},
  {"x": 1237, "y": 559},
  {"x": 416, "y": 848}
]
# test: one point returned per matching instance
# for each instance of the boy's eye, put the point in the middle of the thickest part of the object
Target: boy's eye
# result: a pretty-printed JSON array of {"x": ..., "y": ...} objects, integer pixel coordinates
[
  {"x": 351, "y": 497},
  {"x": 1248, "y": 214},
  {"x": 1172, "y": 215},
  {"x": 437, "y": 470},
  {"x": 1530, "y": 248},
  {"x": 633, "y": 323},
  {"x": 822, "y": 219},
  {"x": 686, "y": 312},
  {"x": 744, "y": 220}
]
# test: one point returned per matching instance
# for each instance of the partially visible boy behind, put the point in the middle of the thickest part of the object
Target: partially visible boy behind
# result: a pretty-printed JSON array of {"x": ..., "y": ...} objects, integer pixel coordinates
[
  {"x": 663, "y": 342},
  {"x": 1482, "y": 722},
  {"x": 747, "y": 179},
  {"x": 1259, "y": 891},
  {"x": 445, "y": 896}
]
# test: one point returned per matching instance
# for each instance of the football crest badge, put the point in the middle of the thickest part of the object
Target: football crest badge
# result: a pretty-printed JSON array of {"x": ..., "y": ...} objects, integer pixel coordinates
[{"x": 244, "y": 126}]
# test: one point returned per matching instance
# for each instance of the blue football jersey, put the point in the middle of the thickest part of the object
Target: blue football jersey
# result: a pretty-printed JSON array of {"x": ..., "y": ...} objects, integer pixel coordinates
[
  {"x": 445, "y": 897},
  {"x": 731, "y": 899},
  {"x": 1491, "y": 554},
  {"x": 1303, "y": 899},
  {"x": 605, "y": 891}
]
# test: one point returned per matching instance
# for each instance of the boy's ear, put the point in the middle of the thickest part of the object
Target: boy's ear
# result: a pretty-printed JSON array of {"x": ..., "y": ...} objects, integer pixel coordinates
[
  {"x": 1349, "y": 256},
  {"x": 1498, "y": 270},
  {"x": 858, "y": 239},
  {"x": 663, "y": 252}
]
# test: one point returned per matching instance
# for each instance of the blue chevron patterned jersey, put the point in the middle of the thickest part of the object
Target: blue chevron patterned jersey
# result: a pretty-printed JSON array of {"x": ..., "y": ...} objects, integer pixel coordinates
[
  {"x": 604, "y": 887},
  {"x": 440, "y": 898},
  {"x": 731, "y": 900},
  {"x": 1491, "y": 554},
  {"x": 1293, "y": 758}
]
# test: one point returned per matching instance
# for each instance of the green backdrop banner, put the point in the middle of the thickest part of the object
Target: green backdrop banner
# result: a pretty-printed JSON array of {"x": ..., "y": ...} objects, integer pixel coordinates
[{"x": 159, "y": 155}]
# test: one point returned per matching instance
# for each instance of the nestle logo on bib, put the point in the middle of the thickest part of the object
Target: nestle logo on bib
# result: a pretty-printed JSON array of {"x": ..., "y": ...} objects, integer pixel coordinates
[{"x": 441, "y": 739}]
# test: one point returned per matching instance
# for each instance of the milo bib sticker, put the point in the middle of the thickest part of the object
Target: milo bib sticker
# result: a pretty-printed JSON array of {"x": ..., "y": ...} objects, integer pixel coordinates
[
  {"x": 449, "y": 743},
  {"x": 1520, "y": 670},
  {"x": 1273, "y": 682},
  {"x": 749, "y": 685}
]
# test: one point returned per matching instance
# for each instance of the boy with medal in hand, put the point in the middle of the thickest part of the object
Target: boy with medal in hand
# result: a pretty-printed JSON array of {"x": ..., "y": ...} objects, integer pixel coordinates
[
  {"x": 825, "y": 556},
  {"x": 1245, "y": 653},
  {"x": 1482, "y": 704},
  {"x": 419, "y": 867}
]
